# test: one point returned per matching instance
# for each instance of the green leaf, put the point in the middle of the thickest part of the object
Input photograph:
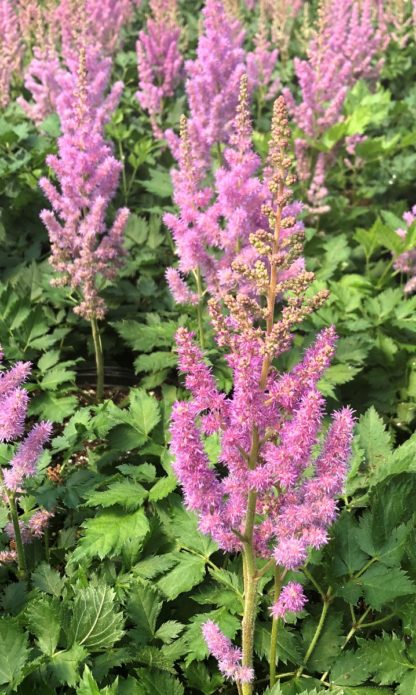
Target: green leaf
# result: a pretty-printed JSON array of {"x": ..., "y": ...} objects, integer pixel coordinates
[
  {"x": 199, "y": 677},
  {"x": 155, "y": 362},
  {"x": 44, "y": 620},
  {"x": 48, "y": 580},
  {"x": 13, "y": 652},
  {"x": 145, "y": 411},
  {"x": 407, "y": 684},
  {"x": 56, "y": 377},
  {"x": 156, "y": 683},
  {"x": 108, "y": 532},
  {"x": 385, "y": 657},
  {"x": 380, "y": 585},
  {"x": 189, "y": 571},
  {"x": 346, "y": 556},
  {"x": 143, "y": 607},
  {"x": 63, "y": 666},
  {"x": 144, "y": 338},
  {"x": 153, "y": 566},
  {"x": 48, "y": 360},
  {"x": 162, "y": 488},
  {"x": 329, "y": 643},
  {"x": 89, "y": 686},
  {"x": 95, "y": 624},
  {"x": 376, "y": 444},
  {"x": 169, "y": 631},
  {"x": 349, "y": 670},
  {"x": 127, "y": 494}
]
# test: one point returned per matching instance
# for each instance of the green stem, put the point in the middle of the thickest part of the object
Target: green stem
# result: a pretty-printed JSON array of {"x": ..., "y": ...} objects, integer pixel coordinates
[
  {"x": 313, "y": 581},
  {"x": 99, "y": 359},
  {"x": 21, "y": 558},
  {"x": 318, "y": 631},
  {"x": 365, "y": 568},
  {"x": 273, "y": 660}
]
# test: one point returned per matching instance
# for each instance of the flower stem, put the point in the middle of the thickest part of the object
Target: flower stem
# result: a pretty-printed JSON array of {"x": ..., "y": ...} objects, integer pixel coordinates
[
  {"x": 318, "y": 631},
  {"x": 250, "y": 592},
  {"x": 99, "y": 359},
  {"x": 21, "y": 558},
  {"x": 273, "y": 659}
]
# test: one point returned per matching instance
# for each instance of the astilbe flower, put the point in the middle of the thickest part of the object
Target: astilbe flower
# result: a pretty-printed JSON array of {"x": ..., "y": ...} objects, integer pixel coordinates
[
  {"x": 212, "y": 230},
  {"x": 11, "y": 49},
  {"x": 7, "y": 557},
  {"x": 98, "y": 22},
  {"x": 343, "y": 49},
  {"x": 43, "y": 79},
  {"x": 399, "y": 20},
  {"x": 291, "y": 600},
  {"x": 83, "y": 247},
  {"x": 13, "y": 411},
  {"x": 262, "y": 62},
  {"x": 406, "y": 261},
  {"x": 159, "y": 59},
  {"x": 228, "y": 657},
  {"x": 212, "y": 81},
  {"x": 276, "y": 494},
  {"x": 189, "y": 230}
]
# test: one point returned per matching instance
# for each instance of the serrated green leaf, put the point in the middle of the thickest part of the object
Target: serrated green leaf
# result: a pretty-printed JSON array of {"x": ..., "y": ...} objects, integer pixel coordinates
[
  {"x": 55, "y": 377},
  {"x": 329, "y": 643},
  {"x": 349, "y": 670},
  {"x": 169, "y": 631},
  {"x": 144, "y": 338},
  {"x": 89, "y": 686},
  {"x": 14, "y": 652},
  {"x": 145, "y": 411},
  {"x": 288, "y": 647},
  {"x": 156, "y": 683},
  {"x": 95, "y": 623},
  {"x": 162, "y": 488},
  {"x": 108, "y": 532},
  {"x": 48, "y": 360},
  {"x": 48, "y": 580},
  {"x": 375, "y": 442},
  {"x": 346, "y": 556},
  {"x": 189, "y": 571},
  {"x": 385, "y": 657},
  {"x": 143, "y": 607},
  {"x": 199, "y": 677},
  {"x": 380, "y": 585},
  {"x": 153, "y": 566},
  {"x": 155, "y": 362},
  {"x": 63, "y": 667},
  {"x": 44, "y": 621},
  {"x": 125, "y": 493},
  {"x": 407, "y": 685}
]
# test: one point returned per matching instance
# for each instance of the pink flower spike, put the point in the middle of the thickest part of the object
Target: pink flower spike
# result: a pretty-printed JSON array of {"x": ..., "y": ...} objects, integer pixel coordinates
[{"x": 291, "y": 600}]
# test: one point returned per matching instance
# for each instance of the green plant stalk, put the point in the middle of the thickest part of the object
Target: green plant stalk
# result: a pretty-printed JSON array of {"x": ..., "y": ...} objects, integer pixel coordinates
[
  {"x": 21, "y": 558},
  {"x": 99, "y": 359},
  {"x": 318, "y": 631},
  {"x": 273, "y": 659},
  {"x": 250, "y": 593}
]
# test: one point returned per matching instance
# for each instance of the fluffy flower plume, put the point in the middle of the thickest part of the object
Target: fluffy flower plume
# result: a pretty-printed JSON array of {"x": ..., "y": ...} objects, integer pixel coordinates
[
  {"x": 342, "y": 50},
  {"x": 159, "y": 60},
  {"x": 212, "y": 230},
  {"x": 13, "y": 408},
  {"x": 406, "y": 262},
  {"x": 213, "y": 79},
  {"x": 10, "y": 49},
  {"x": 228, "y": 657},
  {"x": 262, "y": 62},
  {"x": 274, "y": 459},
  {"x": 291, "y": 600},
  {"x": 83, "y": 247}
]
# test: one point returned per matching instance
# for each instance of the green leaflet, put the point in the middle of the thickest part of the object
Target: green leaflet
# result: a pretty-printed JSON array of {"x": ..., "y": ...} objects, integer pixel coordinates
[{"x": 95, "y": 622}]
